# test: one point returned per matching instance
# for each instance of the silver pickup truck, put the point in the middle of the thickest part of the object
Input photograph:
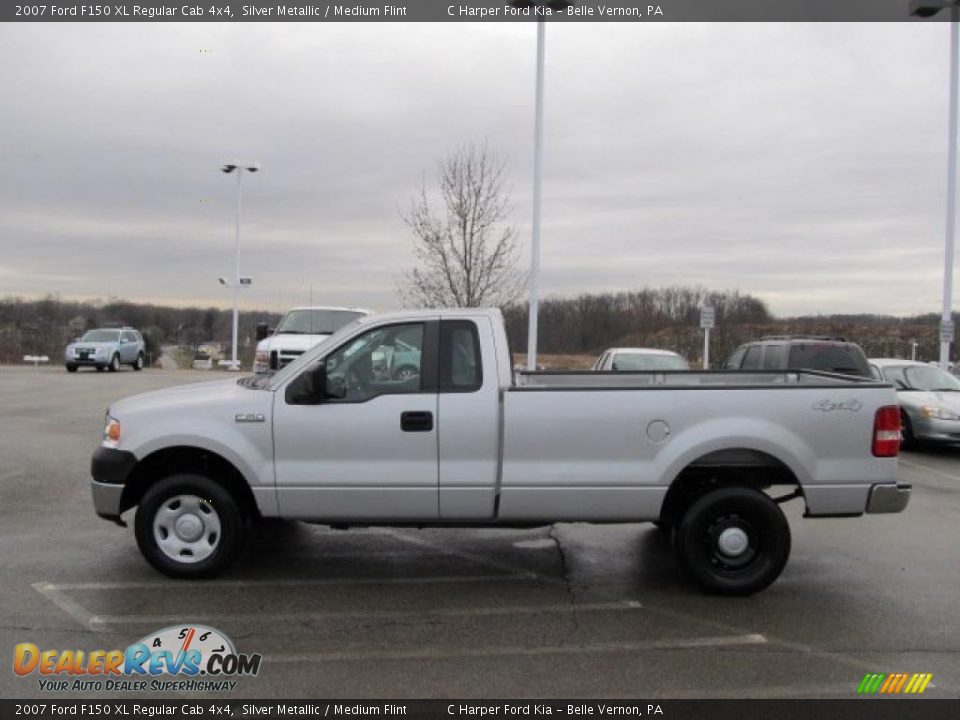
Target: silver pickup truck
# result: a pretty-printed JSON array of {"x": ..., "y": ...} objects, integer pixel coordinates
[{"x": 339, "y": 436}]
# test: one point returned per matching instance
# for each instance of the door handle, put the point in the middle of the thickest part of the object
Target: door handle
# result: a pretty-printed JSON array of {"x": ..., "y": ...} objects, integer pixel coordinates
[{"x": 416, "y": 421}]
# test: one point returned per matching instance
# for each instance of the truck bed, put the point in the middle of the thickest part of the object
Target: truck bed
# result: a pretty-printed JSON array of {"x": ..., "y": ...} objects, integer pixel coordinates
[{"x": 727, "y": 379}]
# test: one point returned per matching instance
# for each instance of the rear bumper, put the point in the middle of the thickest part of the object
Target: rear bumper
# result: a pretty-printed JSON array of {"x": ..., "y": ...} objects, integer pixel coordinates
[{"x": 888, "y": 498}]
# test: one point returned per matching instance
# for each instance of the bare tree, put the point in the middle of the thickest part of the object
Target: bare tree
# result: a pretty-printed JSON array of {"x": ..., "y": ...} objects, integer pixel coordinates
[{"x": 466, "y": 255}]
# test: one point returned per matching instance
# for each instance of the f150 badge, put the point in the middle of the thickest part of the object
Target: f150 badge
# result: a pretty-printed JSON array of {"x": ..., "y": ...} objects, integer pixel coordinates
[
  {"x": 249, "y": 417},
  {"x": 831, "y": 405}
]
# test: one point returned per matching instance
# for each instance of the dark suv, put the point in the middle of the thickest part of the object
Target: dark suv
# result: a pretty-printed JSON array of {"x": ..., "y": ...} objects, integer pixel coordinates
[{"x": 828, "y": 354}]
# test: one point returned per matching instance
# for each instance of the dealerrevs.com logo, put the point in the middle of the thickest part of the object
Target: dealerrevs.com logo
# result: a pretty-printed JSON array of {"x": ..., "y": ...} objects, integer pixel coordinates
[{"x": 177, "y": 658}]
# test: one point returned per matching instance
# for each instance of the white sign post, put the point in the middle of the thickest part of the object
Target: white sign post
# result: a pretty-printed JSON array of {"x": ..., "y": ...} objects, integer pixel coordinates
[{"x": 707, "y": 322}]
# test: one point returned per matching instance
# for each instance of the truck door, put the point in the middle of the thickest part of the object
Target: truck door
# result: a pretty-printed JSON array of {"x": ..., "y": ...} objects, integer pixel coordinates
[{"x": 368, "y": 450}]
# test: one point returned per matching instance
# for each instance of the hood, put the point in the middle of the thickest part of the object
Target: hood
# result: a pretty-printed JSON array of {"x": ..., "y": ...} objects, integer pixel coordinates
[
  {"x": 92, "y": 345},
  {"x": 283, "y": 341},
  {"x": 917, "y": 398},
  {"x": 202, "y": 393}
]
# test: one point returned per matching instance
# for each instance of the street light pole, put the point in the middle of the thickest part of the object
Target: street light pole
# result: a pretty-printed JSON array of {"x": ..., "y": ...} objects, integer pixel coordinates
[
  {"x": 926, "y": 9},
  {"x": 239, "y": 169},
  {"x": 236, "y": 277},
  {"x": 946, "y": 320},
  {"x": 534, "y": 309},
  {"x": 533, "y": 312}
]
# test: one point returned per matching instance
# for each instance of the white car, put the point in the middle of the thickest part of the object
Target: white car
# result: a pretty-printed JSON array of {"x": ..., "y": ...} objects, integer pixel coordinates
[
  {"x": 335, "y": 438},
  {"x": 300, "y": 329},
  {"x": 639, "y": 359}
]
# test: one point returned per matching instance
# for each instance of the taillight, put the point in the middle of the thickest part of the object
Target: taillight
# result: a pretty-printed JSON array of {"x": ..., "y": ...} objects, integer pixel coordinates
[{"x": 886, "y": 431}]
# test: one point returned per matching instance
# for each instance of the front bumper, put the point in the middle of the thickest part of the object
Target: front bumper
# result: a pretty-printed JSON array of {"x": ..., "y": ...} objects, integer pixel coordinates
[
  {"x": 888, "y": 498},
  {"x": 106, "y": 500},
  {"x": 936, "y": 430},
  {"x": 110, "y": 469}
]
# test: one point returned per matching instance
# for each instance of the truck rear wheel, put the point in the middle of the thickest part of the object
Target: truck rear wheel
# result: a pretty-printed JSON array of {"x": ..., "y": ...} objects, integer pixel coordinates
[
  {"x": 734, "y": 540},
  {"x": 188, "y": 526}
]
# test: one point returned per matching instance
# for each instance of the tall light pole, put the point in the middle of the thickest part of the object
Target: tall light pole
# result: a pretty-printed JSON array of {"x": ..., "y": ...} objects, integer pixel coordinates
[
  {"x": 239, "y": 170},
  {"x": 534, "y": 306},
  {"x": 925, "y": 9}
]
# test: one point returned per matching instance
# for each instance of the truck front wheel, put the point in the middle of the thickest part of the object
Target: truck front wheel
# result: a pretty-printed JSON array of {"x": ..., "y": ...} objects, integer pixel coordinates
[
  {"x": 734, "y": 540},
  {"x": 188, "y": 526}
]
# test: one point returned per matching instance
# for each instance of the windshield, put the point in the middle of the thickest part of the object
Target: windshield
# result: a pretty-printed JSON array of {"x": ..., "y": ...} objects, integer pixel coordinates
[
  {"x": 295, "y": 367},
  {"x": 316, "y": 322},
  {"x": 922, "y": 377},
  {"x": 640, "y": 361},
  {"x": 829, "y": 357},
  {"x": 101, "y": 336}
]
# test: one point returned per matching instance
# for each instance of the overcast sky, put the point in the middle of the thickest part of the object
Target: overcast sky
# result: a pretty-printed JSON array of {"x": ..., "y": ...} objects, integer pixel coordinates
[{"x": 803, "y": 163}]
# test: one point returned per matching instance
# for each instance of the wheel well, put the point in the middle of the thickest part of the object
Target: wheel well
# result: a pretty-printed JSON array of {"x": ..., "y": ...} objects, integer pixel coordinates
[
  {"x": 168, "y": 461},
  {"x": 741, "y": 467}
]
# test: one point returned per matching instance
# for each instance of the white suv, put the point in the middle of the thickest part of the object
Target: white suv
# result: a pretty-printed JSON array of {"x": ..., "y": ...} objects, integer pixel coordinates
[{"x": 300, "y": 329}]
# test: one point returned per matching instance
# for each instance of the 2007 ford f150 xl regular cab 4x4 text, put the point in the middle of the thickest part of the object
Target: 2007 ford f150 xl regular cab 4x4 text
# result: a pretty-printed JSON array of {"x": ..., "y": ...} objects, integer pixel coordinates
[{"x": 338, "y": 436}]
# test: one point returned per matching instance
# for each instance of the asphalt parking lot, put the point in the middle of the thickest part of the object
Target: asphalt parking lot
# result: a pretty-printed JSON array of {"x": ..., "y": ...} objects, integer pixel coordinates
[{"x": 569, "y": 611}]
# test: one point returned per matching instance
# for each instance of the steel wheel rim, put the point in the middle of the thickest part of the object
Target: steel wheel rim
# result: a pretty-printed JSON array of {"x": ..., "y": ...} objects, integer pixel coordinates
[
  {"x": 732, "y": 543},
  {"x": 187, "y": 528}
]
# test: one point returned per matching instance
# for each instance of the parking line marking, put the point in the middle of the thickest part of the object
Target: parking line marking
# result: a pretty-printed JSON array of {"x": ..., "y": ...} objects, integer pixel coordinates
[
  {"x": 935, "y": 471},
  {"x": 213, "y": 584},
  {"x": 382, "y": 614},
  {"x": 429, "y": 653},
  {"x": 839, "y": 657},
  {"x": 478, "y": 559},
  {"x": 70, "y": 606}
]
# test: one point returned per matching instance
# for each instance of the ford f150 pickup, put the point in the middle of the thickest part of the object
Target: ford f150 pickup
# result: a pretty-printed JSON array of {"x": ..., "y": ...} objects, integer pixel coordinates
[{"x": 340, "y": 436}]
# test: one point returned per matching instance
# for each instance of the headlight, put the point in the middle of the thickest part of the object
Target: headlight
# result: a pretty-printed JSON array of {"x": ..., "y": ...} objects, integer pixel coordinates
[
  {"x": 261, "y": 361},
  {"x": 111, "y": 432},
  {"x": 938, "y": 412}
]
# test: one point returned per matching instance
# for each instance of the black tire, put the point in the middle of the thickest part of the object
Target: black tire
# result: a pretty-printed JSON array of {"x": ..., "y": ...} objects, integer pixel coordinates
[
  {"x": 759, "y": 523},
  {"x": 907, "y": 439},
  {"x": 114, "y": 363},
  {"x": 71, "y": 368},
  {"x": 225, "y": 547},
  {"x": 100, "y": 368},
  {"x": 138, "y": 363},
  {"x": 663, "y": 526}
]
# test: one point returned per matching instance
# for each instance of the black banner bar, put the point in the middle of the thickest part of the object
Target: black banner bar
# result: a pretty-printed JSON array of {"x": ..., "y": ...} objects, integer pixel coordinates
[
  {"x": 462, "y": 11},
  {"x": 860, "y": 709}
]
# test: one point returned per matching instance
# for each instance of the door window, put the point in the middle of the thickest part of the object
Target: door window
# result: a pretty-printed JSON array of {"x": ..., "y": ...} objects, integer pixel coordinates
[
  {"x": 751, "y": 360},
  {"x": 383, "y": 361},
  {"x": 733, "y": 362}
]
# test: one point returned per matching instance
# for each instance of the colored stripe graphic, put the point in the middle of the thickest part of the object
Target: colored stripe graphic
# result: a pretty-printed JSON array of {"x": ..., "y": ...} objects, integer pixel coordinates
[{"x": 894, "y": 683}]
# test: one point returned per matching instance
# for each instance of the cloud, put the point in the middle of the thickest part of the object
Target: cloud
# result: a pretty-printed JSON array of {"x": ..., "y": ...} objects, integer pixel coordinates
[{"x": 804, "y": 163}]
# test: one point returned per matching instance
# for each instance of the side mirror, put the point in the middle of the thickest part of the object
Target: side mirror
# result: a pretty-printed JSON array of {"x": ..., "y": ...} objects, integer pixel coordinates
[{"x": 309, "y": 388}]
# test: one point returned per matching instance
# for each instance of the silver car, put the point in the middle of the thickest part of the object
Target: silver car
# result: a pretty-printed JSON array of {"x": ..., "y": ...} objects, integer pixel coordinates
[
  {"x": 639, "y": 359},
  {"x": 106, "y": 349},
  {"x": 929, "y": 399}
]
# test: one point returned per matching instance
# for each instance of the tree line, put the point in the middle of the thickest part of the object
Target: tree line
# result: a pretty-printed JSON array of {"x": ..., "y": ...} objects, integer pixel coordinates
[{"x": 47, "y": 325}]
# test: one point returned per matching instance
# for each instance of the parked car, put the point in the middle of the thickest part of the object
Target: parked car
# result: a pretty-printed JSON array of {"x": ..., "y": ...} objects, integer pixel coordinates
[
  {"x": 202, "y": 361},
  {"x": 299, "y": 330},
  {"x": 834, "y": 355},
  {"x": 462, "y": 442},
  {"x": 929, "y": 399},
  {"x": 634, "y": 359},
  {"x": 106, "y": 349}
]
